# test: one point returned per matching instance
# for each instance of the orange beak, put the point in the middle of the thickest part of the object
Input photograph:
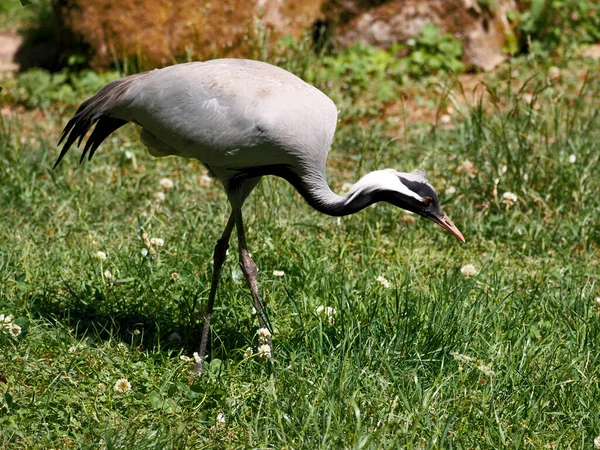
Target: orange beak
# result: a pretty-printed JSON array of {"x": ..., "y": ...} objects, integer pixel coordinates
[{"x": 447, "y": 224}]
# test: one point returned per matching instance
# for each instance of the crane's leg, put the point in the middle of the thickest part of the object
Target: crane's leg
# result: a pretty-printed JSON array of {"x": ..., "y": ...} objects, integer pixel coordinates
[
  {"x": 250, "y": 271},
  {"x": 218, "y": 259}
]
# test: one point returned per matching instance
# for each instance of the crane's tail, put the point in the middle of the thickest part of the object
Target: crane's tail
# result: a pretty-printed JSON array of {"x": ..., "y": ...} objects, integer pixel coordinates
[{"x": 96, "y": 109}]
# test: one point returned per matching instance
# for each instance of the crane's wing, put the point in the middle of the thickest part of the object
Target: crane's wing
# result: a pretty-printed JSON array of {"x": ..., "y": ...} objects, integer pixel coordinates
[{"x": 213, "y": 111}]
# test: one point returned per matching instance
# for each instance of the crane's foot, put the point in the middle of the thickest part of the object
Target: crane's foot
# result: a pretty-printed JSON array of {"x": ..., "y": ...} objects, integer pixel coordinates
[
  {"x": 250, "y": 271},
  {"x": 201, "y": 355}
]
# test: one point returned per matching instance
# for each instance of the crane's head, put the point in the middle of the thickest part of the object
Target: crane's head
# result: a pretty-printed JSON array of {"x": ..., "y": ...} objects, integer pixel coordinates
[{"x": 410, "y": 191}]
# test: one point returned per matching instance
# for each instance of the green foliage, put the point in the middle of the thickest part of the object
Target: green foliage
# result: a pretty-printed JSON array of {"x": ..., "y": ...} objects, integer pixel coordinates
[
  {"x": 29, "y": 13},
  {"x": 361, "y": 66},
  {"x": 427, "y": 54},
  {"x": 38, "y": 88},
  {"x": 433, "y": 51},
  {"x": 559, "y": 25}
]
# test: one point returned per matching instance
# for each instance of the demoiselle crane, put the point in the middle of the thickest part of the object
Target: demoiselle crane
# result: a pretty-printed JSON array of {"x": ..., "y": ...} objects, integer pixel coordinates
[{"x": 243, "y": 120}]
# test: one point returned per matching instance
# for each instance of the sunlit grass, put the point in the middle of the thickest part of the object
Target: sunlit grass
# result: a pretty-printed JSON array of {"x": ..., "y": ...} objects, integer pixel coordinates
[{"x": 388, "y": 373}]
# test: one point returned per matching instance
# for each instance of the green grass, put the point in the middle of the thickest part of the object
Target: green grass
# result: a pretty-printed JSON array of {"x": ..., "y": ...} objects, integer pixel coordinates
[{"x": 386, "y": 373}]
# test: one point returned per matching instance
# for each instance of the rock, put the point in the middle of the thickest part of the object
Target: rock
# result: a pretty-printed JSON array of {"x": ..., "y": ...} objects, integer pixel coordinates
[
  {"x": 381, "y": 23},
  {"x": 155, "y": 33}
]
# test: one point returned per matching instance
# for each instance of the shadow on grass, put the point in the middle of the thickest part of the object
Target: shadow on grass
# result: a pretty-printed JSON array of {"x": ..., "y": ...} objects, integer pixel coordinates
[{"x": 90, "y": 313}]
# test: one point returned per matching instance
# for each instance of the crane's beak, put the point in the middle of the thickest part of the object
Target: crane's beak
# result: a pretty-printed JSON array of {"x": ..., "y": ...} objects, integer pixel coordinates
[{"x": 445, "y": 222}]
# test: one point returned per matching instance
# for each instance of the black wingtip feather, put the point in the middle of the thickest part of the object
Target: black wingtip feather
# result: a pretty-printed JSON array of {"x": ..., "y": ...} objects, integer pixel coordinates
[
  {"x": 60, "y": 157},
  {"x": 104, "y": 127},
  {"x": 77, "y": 127},
  {"x": 66, "y": 130},
  {"x": 95, "y": 110}
]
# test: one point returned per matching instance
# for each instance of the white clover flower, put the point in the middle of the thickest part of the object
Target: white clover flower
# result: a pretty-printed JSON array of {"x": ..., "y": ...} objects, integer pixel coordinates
[
  {"x": 237, "y": 275},
  {"x": 597, "y": 442},
  {"x": 461, "y": 358},
  {"x": 278, "y": 273},
  {"x": 554, "y": 73},
  {"x": 598, "y": 301},
  {"x": 166, "y": 183},
  {"x": 205, "y": 180},
  {"x": 101, "y": 256},
  {"x": 197, "y": 358},
  {"x": 528, "y": 98},
  {"x": 254, "y": 311},
  {"x": 73, "y": 349},
  {"x": 5, "y": 319},
  {"x": 264, "y": 351},
  {"x": 122, "y": 386},
  {"x": 466, "y": 166},
  {"x": 468, "y": 270},
  {"x": 128, "y": 154},
  {"x": 263, "y": 335},
  {"x": 486, "y": 370},
  {"x": 174, "y": 276},
  {"x": 572, "y": 159},
  {"x": 383, "y": 281},
  {"x": 107, "y": 274},
  {"x": 326, "y": 312},
  {"x": 185, "y": 358},
  {"x": 445, "y": 118},
  {"x": 248, "y": 352},
  {"x": 221, "y": 419},
  {"x": 157, "y": 242},
  {"x": 144, "y": 252},
  {"x": 159, "y": 196},
  {"x": 450, "y": 190},
  {"x": 509, "y": 199},
  {"x": 14, "y": 329},
  {"x": 411, "y": 42}
]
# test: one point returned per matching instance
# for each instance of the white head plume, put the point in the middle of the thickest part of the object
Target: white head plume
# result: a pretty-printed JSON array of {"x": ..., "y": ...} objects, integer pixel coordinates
[{"x": 387, "y": 180}]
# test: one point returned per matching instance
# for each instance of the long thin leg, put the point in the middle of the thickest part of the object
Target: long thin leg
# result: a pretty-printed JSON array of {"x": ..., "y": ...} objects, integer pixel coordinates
[
  {"x": 250, "y": 271},
  {"x": 218, "y": 259}
]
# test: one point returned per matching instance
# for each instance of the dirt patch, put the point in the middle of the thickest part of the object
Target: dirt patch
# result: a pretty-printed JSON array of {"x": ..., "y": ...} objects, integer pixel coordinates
[
  {"x": 10, "y": 42},
  {"x": 593, "y": 51}
]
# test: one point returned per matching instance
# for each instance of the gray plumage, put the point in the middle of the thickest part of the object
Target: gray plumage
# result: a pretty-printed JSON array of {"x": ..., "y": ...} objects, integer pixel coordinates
[{"x": 243, "y": 120}]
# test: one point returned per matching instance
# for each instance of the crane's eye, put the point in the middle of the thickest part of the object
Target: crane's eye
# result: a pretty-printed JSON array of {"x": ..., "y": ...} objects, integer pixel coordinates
[{"x": 427, "y": 201}]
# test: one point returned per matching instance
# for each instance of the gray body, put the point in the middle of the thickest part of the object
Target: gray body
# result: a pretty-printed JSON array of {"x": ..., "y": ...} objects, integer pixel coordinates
[{"x": 232, "y": 115}]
